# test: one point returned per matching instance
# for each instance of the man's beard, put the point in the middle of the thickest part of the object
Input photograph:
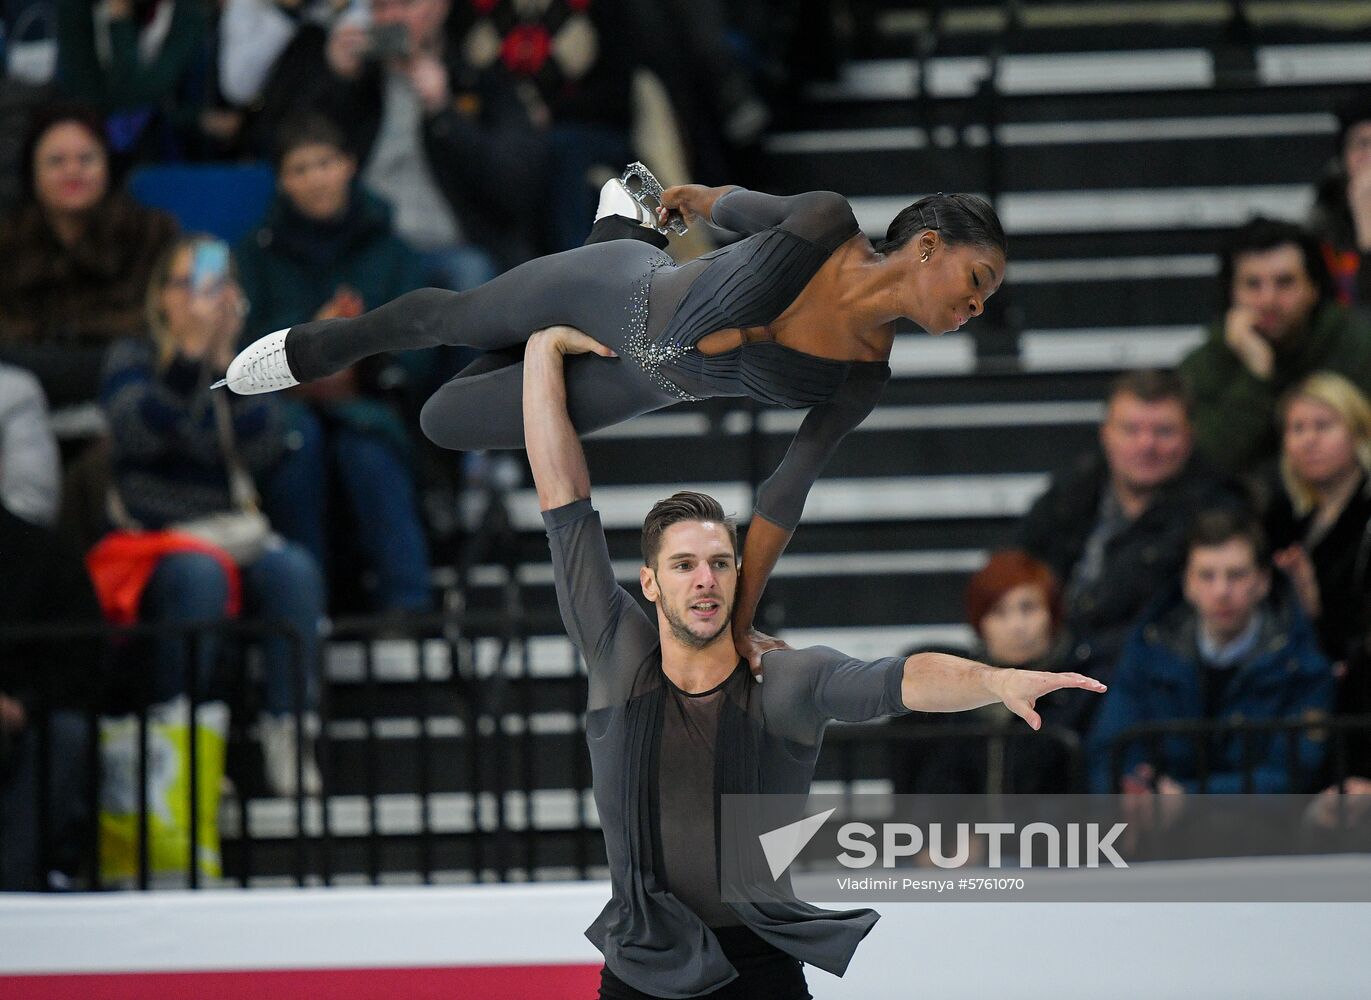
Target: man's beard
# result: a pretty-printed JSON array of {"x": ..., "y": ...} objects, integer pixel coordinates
[{"x": 682, "y": 633}]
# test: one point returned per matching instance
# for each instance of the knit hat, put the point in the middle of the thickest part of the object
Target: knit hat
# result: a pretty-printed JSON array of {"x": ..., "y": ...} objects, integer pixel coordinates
[{"x": 1007, "y": 569}]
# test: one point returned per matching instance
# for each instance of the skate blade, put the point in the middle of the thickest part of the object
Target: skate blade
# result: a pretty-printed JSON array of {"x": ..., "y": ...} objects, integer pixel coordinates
[{"x": 648, "y": 193}]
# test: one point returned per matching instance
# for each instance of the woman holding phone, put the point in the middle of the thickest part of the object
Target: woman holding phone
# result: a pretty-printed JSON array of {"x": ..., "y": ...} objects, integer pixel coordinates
[{"x": 180, "y": 456}]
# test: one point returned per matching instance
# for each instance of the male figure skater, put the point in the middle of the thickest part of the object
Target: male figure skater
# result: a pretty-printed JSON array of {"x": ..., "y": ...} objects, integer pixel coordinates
[{"x": 674, "y": 720}]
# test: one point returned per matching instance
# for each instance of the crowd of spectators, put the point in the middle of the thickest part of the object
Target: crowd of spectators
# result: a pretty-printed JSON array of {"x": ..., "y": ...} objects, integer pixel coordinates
[
  {"x": 1210, "y": 560},
  {"x": 412, "y": 143},
  {"x": 1211, "y": 557}
]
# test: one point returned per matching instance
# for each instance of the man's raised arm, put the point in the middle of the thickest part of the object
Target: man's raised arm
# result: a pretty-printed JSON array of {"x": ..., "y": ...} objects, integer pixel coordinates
[{"x": 554, "y": 451}]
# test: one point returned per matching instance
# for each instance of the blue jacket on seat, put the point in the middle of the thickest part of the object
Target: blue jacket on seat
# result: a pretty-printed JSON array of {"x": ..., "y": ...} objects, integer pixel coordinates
[{"x": 1160, "y": 678}]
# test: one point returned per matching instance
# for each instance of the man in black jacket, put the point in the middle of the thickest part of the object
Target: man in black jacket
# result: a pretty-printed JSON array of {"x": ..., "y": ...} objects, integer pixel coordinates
[{"x": 1113, "y": 528}]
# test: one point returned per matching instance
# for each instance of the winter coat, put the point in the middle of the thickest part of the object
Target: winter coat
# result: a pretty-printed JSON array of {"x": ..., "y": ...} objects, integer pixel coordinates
[
  {"x": 1160, "y": 679},
  {"x": 1342, "y": 566},
  {"x": 291, "y": 266},
  {"x": 62, "y": 306},
  {"x": 1235, "y": 412},
  {"x": 1140, "y": 562},
  {"x": 46, "y": 585},
  {"x": 124, "y": 80}
]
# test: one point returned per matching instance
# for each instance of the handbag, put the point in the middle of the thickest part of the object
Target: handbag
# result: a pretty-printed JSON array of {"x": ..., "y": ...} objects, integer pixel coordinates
[{"x": 243, "y": 533}]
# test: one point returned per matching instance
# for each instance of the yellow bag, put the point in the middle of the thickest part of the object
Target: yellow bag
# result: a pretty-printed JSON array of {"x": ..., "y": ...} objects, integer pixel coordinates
[{"x": 168, "y": 744}]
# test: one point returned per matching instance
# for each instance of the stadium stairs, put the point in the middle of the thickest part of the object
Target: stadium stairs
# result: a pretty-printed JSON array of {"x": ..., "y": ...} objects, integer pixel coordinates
[{"x": 1129, "y": 138}]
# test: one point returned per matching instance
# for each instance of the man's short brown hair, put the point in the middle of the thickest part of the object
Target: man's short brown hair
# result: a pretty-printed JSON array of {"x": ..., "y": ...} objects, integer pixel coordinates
[
  {"x": 1211, "y": 528},
  {"x": 686, "y": 505},
  {"x": 1152, "y": 385}
]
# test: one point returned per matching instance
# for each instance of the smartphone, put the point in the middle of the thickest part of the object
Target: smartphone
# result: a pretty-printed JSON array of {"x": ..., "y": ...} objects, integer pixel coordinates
[
  {"x": 387, "y": 41},
  {"x": 209, "y": 267}
]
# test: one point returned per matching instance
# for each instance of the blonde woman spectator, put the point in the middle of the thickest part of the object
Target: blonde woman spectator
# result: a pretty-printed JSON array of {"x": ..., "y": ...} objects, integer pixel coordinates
[
  {"x": 1320, "y": 512},
  {"x": 177, "y": 449}
]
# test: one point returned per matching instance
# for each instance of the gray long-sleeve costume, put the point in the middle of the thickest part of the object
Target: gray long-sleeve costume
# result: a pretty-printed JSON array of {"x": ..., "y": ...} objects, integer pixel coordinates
[
  {"x": 629, "y": 295},
  {"x": 768, "y": 741}
]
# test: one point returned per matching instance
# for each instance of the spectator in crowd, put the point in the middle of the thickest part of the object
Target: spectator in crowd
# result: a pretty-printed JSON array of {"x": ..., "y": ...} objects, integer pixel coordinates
[
  {"x": 456, "y": 155},
  {"x": 1342, "y": 208},
  {"x": 578, "y": 59},
  {"x": 141, "y": 62},
  {"x": 327, "y": 249},
  {"x": 1014, "y": 605},
  {"x": 181, "y": 452},
  {"x": 709, "y": 77},
  {"x": 30, "y": 468},
  {"x": 41, "y": 685},
  {"x": 1113, "y": 527},
  {"x": 1226, "y": 645},
  {"x": 254, "y": 33},
  {"x": 1320, "y": 522},
  {"x": 1281, "y": 324},
  {"x": 76, "y": 256}
]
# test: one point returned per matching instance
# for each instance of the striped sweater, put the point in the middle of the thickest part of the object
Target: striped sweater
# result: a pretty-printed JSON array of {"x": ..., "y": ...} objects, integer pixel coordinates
[{"x": 168, "y": 461}]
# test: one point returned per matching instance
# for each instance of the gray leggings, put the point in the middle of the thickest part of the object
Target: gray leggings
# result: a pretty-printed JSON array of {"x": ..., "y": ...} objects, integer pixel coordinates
[{"x": 590, "y": 287}]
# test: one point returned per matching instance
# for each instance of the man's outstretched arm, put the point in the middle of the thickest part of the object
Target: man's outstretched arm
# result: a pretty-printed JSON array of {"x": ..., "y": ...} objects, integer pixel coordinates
[
  {"x": 939, "y": 682},
  {"x": 554, "y": 451}
]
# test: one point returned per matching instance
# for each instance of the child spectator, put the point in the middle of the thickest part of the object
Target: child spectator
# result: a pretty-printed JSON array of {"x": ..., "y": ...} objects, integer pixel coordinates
[{"x": 327, "y": 249}]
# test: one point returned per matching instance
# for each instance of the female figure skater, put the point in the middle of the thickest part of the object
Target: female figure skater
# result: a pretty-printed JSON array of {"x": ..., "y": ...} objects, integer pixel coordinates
[{"x": 799, "y": 312}]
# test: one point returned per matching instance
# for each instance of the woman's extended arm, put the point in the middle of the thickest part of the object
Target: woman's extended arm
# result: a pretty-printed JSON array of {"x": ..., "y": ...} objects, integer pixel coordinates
[{"x": 781, "y": 499}]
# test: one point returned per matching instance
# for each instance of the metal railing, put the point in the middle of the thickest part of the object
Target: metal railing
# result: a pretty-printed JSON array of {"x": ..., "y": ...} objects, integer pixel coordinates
[
  {"x": 123, "y": 650},
  {"x": 479, "y": 710},
  {"x": 1201, "y": 736}
]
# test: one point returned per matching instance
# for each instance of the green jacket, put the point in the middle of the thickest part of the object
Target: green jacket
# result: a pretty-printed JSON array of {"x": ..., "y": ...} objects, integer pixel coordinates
[
  {"x": 289, "y": 267},
  {"x": 126, "y": 83},
  {"x": 1235, "y": 412}
]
